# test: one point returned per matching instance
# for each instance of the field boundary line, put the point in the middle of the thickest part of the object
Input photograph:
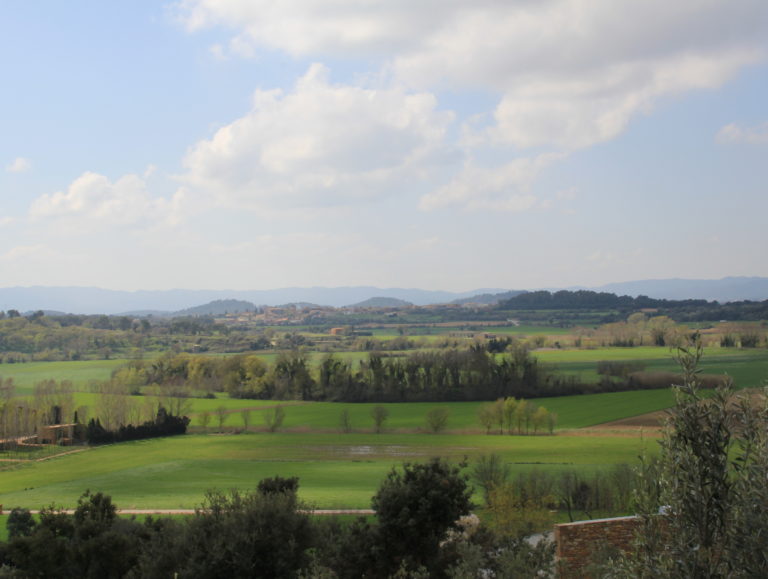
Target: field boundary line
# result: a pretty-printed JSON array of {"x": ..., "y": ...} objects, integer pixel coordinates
[
  {"x": 61, "y": 454},
  {"x": 193, "y": 511}
]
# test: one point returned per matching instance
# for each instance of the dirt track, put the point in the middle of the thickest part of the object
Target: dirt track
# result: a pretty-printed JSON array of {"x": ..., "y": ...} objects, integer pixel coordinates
[
  {"x": 192, "y": 511},
  {"x": 649, "y": 420}
]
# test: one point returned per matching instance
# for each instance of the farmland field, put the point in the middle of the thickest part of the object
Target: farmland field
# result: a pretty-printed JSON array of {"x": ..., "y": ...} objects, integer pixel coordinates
[
  {"x": 573, "y": 411},
  {"x": 747, "y": 367},
  {"x": 336, "y": 470},
  {"x": 80, "y": 373},
  {"x": 339, "y": 470}
]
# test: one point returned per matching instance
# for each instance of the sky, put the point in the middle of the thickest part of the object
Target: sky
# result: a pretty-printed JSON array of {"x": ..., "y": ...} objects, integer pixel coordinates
[{"x": 436, "y": 144}]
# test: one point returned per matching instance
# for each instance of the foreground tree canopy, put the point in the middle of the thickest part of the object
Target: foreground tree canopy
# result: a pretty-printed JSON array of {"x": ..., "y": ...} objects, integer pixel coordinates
[
  {"x": 421, "y": 530},
  {"x": 704, "y": 502}
]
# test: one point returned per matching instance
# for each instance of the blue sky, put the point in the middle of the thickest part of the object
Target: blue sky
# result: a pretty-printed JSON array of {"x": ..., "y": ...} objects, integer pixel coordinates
[{"x": 447, "y": 144}]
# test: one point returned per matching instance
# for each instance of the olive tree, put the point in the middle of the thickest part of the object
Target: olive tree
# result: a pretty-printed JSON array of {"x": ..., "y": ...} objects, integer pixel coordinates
[{"x": 703, "y": 503}]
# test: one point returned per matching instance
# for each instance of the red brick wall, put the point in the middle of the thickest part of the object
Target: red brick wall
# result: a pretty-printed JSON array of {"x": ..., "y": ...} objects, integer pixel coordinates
[{"x": 577, "y": 541}]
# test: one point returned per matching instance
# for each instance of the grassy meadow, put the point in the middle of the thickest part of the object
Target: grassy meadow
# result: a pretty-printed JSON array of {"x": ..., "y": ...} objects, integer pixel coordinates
[
  {"x": 572, "y": 411},
  {"x": 80, "y": 373},
  {"x": 336, "y": 470},
  {"x": 747, "y": 367}
]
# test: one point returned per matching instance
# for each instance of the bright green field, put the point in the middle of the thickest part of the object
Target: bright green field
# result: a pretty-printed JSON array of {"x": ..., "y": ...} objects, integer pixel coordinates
[
  {"x": 640, "y": 353},
  {"x": 527, "y": 330},
  {"x": 747, "y": 367},
  {"x": 336, "y": 470},
  {"x": 572, "y": 411},
  {"x": 80, "y": 373}
]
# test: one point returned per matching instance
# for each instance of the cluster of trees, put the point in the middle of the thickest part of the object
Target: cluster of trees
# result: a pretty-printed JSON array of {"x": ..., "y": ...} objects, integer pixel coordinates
[
  {"x": 741, "y": 335},
  {"x": 521, "y": 416},
  {"x": 735, "y": 311},
  {"x": 52, "y": 402},
  {"x": 528, "y": 498},
  {"x": 422, "y": 528},
  {"x": 164, "y": 424},
  {"x": 118, "y": 416},
  {"x": 43, "y": 338},
  {"x": 470, "y": 374},
  {"x": 639, "y": 330},
  {"x": 590, "y": 300},
  {"x": 74, "y": 337},
  {"x": 421, "y": 376},
  {"x": 690, "y": 310}
]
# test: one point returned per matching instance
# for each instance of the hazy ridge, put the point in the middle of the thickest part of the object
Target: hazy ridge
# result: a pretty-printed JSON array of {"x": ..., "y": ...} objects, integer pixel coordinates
[{"x": 91, "y": 300}]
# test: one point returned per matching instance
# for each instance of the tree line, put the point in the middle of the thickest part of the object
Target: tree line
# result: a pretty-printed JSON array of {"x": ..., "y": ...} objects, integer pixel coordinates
[
  {"x": 115, "y": 417},
  {"x": 52, "y": 402},
  {"x": 689, "y": 310},
  {"x": 513, "y": 415},
  {"x": 428, "y": 376},
  {"x": 469, "y": 374},
  {"x": 164, "y": 424},
  {"x": 591, "y": 300}
]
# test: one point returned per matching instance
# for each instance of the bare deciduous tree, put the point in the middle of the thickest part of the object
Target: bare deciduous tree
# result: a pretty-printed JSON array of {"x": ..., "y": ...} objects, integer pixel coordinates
[
  {"x": 245, "y": 413},
  {"x": 379, "y": 414},
  {"x": 437, "y": 419},
  {"x": 273, "y": 417},
  {"x": 221, "y": 416}
]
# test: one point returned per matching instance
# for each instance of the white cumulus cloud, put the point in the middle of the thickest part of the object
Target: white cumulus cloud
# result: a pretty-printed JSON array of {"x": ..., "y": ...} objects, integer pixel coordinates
[
  {"x": 570, "y": 73},
  {"x": 320, "y": 144},
  {"x": 19, "y": 165},
  {"x": 498, "y": 188},
  {"x": 579, "y": 110},
  {"x": 308, "y": 27},
  {"x": 98, "y": 201},
  {"x": 734, "y": 133}
]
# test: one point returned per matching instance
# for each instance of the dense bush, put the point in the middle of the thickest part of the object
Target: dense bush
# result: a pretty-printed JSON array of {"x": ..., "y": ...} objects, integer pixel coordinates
[
  {"x": 248, "y": 534},
  {"x": 92, "y": 543},
  {"x": 415, "y": 507}
]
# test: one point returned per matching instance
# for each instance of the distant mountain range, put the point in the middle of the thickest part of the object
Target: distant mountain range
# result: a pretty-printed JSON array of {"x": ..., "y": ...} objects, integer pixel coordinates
[{"x": 90, "y": 300}]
